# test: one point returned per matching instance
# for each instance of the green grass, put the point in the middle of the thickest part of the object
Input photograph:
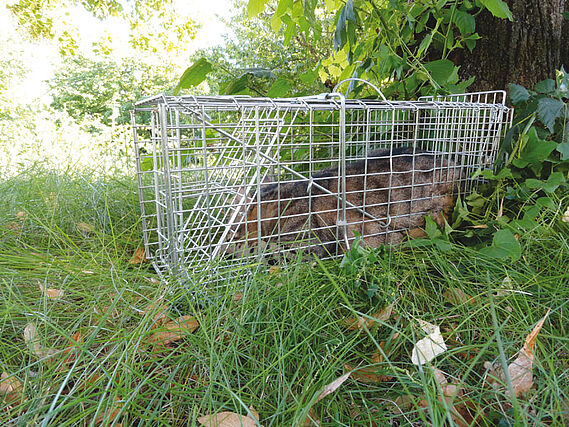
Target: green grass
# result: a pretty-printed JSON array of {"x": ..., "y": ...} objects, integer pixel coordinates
[{"x": 277, "y": 346}]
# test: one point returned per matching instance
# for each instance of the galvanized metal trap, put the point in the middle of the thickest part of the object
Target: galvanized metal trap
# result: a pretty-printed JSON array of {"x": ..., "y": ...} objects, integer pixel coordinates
[{"x": 225, "y": 181}]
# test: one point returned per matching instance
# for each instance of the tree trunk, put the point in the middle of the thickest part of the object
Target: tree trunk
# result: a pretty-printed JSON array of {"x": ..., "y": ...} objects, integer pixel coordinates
[{"x": 524, "y": 51}]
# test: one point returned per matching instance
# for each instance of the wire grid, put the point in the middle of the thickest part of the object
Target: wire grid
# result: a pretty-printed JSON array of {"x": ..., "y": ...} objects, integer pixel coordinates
[{"x": 214, "y": 172}]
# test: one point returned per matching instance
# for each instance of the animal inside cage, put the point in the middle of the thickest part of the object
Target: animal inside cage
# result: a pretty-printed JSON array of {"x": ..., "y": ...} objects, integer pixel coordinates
[{"x": 225, "y": 181}]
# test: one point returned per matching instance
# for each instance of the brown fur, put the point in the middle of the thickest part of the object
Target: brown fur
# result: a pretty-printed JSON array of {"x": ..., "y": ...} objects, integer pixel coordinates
[{"x": 285, "y": 207}]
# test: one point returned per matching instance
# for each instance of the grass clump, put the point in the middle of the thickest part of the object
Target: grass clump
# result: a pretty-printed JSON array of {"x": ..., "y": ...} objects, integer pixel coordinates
[{"x": 267, "y": 343}]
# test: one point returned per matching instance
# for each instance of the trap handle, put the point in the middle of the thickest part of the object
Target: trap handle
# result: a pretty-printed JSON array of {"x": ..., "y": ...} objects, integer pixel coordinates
[{"x": 356, "y": 79}]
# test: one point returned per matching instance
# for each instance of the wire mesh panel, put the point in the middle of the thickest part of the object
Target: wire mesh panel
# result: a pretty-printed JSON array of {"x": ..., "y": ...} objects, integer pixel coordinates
[{"x": 227, "y": 181}]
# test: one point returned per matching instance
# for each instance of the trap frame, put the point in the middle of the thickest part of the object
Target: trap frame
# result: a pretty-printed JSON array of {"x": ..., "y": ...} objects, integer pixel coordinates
[{"x": 203, "y": 163}]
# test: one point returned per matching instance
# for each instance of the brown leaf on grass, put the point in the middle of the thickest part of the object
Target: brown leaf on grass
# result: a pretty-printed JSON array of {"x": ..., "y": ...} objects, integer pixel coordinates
[
  {"x": 237, "y": 297},
  {"x": 110, "y": 414},
  {"x": 310, "y": 420},
  {"x": 173, "y": 330},
  {"x": 367, "y": 375},
  {"x": 158, "y": 309},
  {"x": 76, "y": 338},
  {"x": 520, "y": 370},
  {"x": 377, "y": 356},
  {"x": 274, "y": 270},
  {"x": 90, "y": 380},
  {"x": 139, "y": 256},
  {"x": 226, "y": 419},
  {"x": 51, "y": 293},
  {"x": 254, "y": 412},
  {"x": 22, "y": 215},
  {"x": 14, "y": 226},
  {"x": 452, "y": 395},
  {"x": 85, "y": 227},
  {"x": 333, "y": 386},
  {"x": 368, "y": 321},
  {"x": 32, "y": 340},
  {"x": 11, "y": 388},
  {"x": 457, "y": 296}
]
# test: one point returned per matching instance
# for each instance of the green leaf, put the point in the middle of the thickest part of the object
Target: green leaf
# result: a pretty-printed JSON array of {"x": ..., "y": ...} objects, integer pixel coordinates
[
  {"x": 290, "y": 28},
  {"x": 254, "y": 7},
  {"x": 498, "y": 8},
  {"x": 518, "y": 94},
  {"x": 536, "y": 150},
  {"x": 304, "y": 25},
  {"x": 546, "y": 202},
  {"x": 546, "y": 86},
  {"x": 549, "y": 186},
  {"x": 504, "y": 245},
  {"x": 464, "y": 22},
  {"x": 279, "y": 88},
  {"x": 549, "y": 109},
  {"x": 283, "y": 7},
  {"x": 489, "y": 174},
  {"x": 431, "y": 228},
  {"x": 346, "y": 14},
  {"x": 194, "y": 75},
  {"x": 563, "y": 149},
  {"x": 425, "y": 43},
  {"x": 440, "y": 70},
  {"x": 238, "y": 85},
  {"x": 308, "y": 76},
  {"x": 565, "y": 15}
]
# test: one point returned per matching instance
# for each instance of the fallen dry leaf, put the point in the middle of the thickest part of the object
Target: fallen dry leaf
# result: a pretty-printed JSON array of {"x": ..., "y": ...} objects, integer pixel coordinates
[
  {"x": 76, "y": 338},
  {"x": 11, "y": 388},
  {"x": 22, "y": 215},
  {"x": 174, "y": 330},
  {"x": 377, "y": 356},
  {"x": 84, "y": 227},
  {"x": 110, "y": 414},
  {"x": 457, "y": 296},
  {"x": 254, "y": 412},
  {"x": 159, "y": 309},
  {"x": 478, "y": 226},
  {"x": 32, "y": 340},
  {"x": 237, "y": 297},
  {"x": 451, "y": 394},
  {"x": 14, "y": 226},
  {"x": 520, "y": 370},
  {"x": 139, "y": 256},
  {"x": 274, "y": 270},
  {"x": 333, "y": 386},
  {"x": 368, "y": 321},
  {"x": 431, "y": 346},
  {"x": 310, "y": 420},
  {"x": 226, "y": 419},
  {"x": 51, "y": 293},
  {"x": 565, "y": 217},
  {"x": 367, "y": 375}
]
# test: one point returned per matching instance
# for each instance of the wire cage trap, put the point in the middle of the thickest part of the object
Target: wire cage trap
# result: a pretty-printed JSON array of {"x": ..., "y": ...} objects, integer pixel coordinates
[{"x": 225, "y": 181}]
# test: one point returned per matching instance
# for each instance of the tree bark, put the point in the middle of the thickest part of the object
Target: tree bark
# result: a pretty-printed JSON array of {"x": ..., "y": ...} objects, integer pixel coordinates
[{"x": 524, "y": 51}]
